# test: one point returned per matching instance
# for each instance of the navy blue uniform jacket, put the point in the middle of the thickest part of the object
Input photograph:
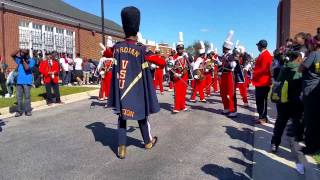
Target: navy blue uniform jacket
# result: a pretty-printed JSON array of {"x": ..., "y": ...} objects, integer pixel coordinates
[{"x": 132, "y": 94}]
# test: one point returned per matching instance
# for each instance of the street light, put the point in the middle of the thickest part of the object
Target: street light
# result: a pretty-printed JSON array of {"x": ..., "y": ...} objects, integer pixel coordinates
[{"x": 102, "y": 23}]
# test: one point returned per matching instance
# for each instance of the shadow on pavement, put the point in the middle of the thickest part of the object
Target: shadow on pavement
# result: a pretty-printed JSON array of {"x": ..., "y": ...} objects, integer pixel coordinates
[
  {"x": 248, "y": 166},
  {"x": 223, "y": 173},
  {"x": 166, "y": 106},
  {"x": 108, "y": 136},
  {"x": 247, "y": 154},
  {"x": 97, "y": 103}
]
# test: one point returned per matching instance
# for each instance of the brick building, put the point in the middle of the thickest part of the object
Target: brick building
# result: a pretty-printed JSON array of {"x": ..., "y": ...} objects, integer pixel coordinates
[
  {"x": 296, "y": 16},
  {"x": 52, "y": 25}
]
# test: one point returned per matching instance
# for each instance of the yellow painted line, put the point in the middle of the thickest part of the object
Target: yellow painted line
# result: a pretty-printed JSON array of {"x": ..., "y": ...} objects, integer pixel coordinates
[{"x": 277, "y": 158}]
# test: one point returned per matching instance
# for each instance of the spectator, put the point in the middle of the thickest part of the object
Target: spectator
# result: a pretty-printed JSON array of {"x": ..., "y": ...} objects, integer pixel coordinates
[
  {"x": 64, "y": 63},
  {"x": 4, "y": 90},
  {"x": 86, "y": 71},
  {"x": 300, "y": 41},
  {"x": 294, "y": 107},
  {"x": 70, "y": 76},
  {"x": 310, "y": 69},
  {"x": 278, "y": 62},
  {"x": 37, "y": 56},
  {"x": 92, "y": 72},
  {"x": 262, "y": 80},
  {"x": 24, "y": 81},
  {"x": 49, "y": 68},
  {"x": 78, "y": 69},
  {"x": 11, "y": 82}
]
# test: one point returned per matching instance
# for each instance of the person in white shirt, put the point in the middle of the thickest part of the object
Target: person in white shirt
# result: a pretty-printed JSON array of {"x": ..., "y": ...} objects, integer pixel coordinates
[
  {"x": 71, "y": 69},
  {"x": 64, "y": 64},
  {"x": 78, "y": 69}
]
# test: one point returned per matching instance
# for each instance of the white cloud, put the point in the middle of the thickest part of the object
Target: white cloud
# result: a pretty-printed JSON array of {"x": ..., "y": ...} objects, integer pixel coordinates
[{"x": 204, "y": 30}]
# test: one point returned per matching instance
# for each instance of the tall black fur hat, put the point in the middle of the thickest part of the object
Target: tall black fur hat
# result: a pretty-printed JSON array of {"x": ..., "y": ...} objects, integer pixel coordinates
[{"x": 130, "y": 17}]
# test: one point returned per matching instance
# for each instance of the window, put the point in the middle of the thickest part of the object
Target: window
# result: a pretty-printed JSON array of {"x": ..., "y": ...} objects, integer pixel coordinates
[
  {"x": 59, "y": 31},
  {"x": 69, "y": 42},
  {"x": 24, "y": 35},
  {"x": 37, "y": 26},
  {"x": 48, "y": 39},
  {"x": 24, "y": 24},
  {"x": 49, "y": 29},
  {"x": 59, "y": 41},
  {"x": 69, "y": 33},
  {"x": 24, "y": 38},
  {"x": 36, "y": 36},
  {"x": 45, "y": 37}
]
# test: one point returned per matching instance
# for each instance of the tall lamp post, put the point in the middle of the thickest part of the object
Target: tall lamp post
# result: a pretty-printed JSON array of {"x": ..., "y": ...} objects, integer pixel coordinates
[{"x": 102, "y": 23}]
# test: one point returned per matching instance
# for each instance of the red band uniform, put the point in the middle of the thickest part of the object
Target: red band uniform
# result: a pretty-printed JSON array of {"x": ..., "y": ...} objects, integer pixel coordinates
[
  {"x": 106, "y": 76},
  {"x": 50, "y": 72},
  {"x": 199, "y": 82},
  {"x": 180, "y": 83}
]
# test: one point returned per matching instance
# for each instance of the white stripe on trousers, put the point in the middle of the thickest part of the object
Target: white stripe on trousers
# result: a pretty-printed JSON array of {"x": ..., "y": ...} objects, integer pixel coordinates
[{"x": 149, "y": 130}]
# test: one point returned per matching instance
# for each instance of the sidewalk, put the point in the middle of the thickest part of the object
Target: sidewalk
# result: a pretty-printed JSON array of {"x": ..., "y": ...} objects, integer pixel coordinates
[
  {"x": 282, "y": 165},
  {"x": 39, "y": 105}
]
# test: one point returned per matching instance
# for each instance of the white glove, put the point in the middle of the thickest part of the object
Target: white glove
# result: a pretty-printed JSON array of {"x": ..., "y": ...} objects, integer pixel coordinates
[
  {"x": 109, "y": 43},
  {"x": 247, "y": 67},
  {"x": 102, "y": 73},
  {"x": 233, "y": 64},
  {"x": 177, "y": 75},
  {"x": 196, "y": 76},
  {"x": 185, "y": 55},
  {"x": 153, "y": 66}
]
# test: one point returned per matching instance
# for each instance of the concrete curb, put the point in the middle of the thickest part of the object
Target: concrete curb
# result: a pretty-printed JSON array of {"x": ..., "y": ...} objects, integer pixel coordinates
[
  {"x": 39, "y": 105},
  {"x": 312, "y": 171}
]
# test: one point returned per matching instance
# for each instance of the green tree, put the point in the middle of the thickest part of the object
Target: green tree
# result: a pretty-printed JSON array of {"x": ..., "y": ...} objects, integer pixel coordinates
[{"x": 194, "y": 48}]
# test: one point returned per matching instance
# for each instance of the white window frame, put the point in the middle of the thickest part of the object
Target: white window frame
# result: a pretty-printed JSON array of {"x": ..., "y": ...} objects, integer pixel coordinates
[{"x": 63, "y": 40}]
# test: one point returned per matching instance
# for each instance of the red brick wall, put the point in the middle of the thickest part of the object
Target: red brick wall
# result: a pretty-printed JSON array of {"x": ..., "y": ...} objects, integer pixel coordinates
[
  {"x": 284, "y": 11},
  {"x": 88, "y": 44},
  {"x": 297, "y": 16},
  {"x": 305, "y": 16},
  {"x": 1, "y": 38}
]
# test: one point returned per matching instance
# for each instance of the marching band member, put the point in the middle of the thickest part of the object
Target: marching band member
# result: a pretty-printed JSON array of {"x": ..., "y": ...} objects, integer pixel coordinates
[
  {"x": 198, "y": 69},
  {"x": 158, "y": 75},
  {"x": 132, "y": 96},
  {"x": 180, "y": 77},
  {"x": 170, "y": 64},
  {"x": 227, "y": 87},
  {"x": 105, "y": 70},
  {"x": 245, "y": 66},
  {"x": 216, "y": 78},
  {"x": 209, "y": 70}
]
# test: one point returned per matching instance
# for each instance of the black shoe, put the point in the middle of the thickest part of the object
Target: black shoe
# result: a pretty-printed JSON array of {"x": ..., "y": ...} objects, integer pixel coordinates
[
  {"x": 274, "y": 148},
  {"x": 28, "y": 114},
  {"x": 18, "y": 114},
  {"x": 298, "y": 138},
  {"x": 308, "y": 151}
]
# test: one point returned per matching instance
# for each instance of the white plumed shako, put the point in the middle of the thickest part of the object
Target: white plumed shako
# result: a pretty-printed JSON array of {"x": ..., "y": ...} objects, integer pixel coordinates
[
  {"x": 202, "y": 49},
  {"x": 180, "y": 40},
  {"x": 228, "y": 42}
]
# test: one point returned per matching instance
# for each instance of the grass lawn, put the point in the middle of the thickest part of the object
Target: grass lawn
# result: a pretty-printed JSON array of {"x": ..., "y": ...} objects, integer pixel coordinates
[
  {"x": 37, "y": 94},
  {"x": 317, "y": 158}
]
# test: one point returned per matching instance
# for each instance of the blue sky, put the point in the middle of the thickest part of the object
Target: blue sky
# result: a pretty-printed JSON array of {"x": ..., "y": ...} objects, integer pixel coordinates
[{"x": 209, "y": 20}]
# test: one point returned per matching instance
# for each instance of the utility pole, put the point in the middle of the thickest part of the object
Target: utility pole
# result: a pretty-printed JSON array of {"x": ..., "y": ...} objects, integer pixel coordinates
[{"x": 102, "y": 23}]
